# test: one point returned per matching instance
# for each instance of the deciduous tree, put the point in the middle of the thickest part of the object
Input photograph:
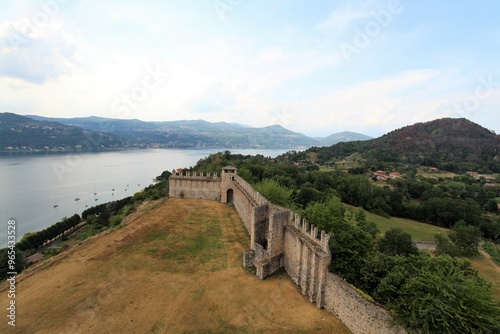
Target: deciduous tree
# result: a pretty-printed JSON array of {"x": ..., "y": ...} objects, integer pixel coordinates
[{"x": 397, "y": 242}]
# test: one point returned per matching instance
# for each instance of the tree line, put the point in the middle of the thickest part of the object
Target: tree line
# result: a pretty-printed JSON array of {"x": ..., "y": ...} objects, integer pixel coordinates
[{"x": 437, "y": 201}]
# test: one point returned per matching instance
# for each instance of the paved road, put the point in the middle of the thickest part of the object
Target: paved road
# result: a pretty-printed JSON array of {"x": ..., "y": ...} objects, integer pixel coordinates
[{"x": 425, "y": 245}]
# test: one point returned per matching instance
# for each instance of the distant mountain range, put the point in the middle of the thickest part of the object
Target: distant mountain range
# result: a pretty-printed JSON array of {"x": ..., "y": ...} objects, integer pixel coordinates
[
  {"x": 34, "y": 132},
  {"x": 452, "y": 144},
  {"x": 339, "y": 137},
  {"x": 25, "y": 134}
]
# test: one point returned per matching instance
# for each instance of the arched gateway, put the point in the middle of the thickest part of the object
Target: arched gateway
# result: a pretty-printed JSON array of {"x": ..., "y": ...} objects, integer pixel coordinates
[{"x": 229, "y": 196}]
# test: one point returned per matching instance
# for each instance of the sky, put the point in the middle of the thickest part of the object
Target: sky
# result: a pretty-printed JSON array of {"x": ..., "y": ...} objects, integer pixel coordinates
[{"x": 315, "y": 67}]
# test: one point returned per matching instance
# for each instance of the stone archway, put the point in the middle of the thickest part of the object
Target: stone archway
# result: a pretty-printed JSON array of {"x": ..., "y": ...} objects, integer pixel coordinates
[{"x": 229, "y": 196}]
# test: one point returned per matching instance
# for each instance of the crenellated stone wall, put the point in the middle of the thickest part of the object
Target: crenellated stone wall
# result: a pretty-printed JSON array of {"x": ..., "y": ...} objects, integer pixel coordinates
[
  {"x": 307, "y": 258},
  {"x": 279, "y": 238},
  {"x": 192, "y": 185}
]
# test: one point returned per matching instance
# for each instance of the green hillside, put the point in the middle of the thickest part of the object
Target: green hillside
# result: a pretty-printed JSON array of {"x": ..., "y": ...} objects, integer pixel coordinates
[{"x": 452, "y": 144}]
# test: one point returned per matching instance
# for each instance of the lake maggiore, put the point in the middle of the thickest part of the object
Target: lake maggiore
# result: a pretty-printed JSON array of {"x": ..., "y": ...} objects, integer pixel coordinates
[{"x": 38, "y": 190}]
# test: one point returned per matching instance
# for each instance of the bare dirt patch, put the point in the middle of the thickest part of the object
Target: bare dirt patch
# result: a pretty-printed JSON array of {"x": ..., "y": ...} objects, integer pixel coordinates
[{"x": 174, "y": 269}]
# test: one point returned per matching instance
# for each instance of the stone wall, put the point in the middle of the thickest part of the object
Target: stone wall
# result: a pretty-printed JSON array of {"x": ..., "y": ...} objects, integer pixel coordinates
[
  {"x": 279, "y": 238},
  {"x": 195, "y": 186},
  {"x": 306, "y": 259},
  {"x": 255, "y": 212},
  {"x": 359, "y": 314},
  {"x": 253, "y": 195},
  {"x": 244, "y": 208},
  {"x": 279, "y": 217}
]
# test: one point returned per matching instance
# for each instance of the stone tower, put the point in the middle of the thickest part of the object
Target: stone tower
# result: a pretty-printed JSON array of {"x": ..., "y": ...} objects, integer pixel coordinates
[{"x": 227, "y": 191}]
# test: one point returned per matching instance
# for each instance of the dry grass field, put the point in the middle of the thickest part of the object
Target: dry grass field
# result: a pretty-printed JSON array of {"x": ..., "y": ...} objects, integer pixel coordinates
[
  {"x": 174, "y": 268},
  {"x": 489, "y": 270}
]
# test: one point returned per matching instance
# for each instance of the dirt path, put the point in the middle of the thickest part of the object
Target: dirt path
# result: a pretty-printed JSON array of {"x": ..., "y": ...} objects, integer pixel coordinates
[
  {"x": 490, "y": 260},
  {"x": 175, "y": 269}
]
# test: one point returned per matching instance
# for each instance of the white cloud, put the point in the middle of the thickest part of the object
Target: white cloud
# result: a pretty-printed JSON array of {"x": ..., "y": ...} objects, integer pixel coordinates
[
  {"x": 35, "y": 54},
  {"x": 283, "y": 68},
  {"x": 380, "y": 105},
  {"x": 341, "y": 18}
]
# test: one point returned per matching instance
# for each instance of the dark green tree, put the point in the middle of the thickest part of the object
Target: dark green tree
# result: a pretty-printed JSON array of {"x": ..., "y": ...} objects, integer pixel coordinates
[
  {"x": 307, "y": 194},
  {"x": 444, "y": 295},
  {"x": 350, "y": 247},
  {"x": 369, "y": 227},
  {"x": 275, "y": 192},
  {"x": 397, "y": 242},
  {"x": 447, "y": 211},
  {"x": 360, "y": 215},
  {"x": 466, "y": 238},
  {"x": 491, "y": 205},
  {"x": 490, "y": 227},
  {"x": 444, "y": 246},
  {"x": 325, "y": 215}
]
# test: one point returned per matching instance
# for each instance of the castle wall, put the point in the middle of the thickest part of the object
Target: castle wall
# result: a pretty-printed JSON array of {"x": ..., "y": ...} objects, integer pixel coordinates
[
  {"x": 278, "y": 218},
  {"x": 260, "y": 226},
  {"x": 243, "y": 207},
  {"x": 253, "y": 195},
  {"x": 306, "y": 259},
  {"x": 280, "y": 238},
  {"x": 359, "y": 314},
  {"x": 195, "y": 186}
]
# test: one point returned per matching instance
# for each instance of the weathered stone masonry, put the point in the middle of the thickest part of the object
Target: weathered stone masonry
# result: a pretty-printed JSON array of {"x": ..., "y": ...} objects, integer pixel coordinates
[{"x": 279, "y": 238}]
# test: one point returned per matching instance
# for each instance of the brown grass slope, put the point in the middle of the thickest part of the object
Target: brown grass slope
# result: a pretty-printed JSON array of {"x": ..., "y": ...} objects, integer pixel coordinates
[{"x": 174, "y": 269}]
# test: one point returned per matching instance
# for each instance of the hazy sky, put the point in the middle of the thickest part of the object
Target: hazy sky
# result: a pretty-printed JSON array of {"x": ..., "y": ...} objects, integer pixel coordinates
[{"x": 316, "y": 67}]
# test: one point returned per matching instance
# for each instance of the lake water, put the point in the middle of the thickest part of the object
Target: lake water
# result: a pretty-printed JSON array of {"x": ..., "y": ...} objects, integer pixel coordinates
[{"x": 32, "y": 184}]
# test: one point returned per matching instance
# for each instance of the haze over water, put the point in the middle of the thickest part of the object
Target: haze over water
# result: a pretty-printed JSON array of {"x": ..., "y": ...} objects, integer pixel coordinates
[{"x": 31, "y": 184}]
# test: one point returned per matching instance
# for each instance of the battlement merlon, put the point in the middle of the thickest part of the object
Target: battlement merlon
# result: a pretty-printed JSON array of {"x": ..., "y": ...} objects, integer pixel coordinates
[
  {"x": 201, "y": 178},
  {"x": 195, "y": 175},
  {"x": 250, "y": 191},
  {"x": 311, "y": 231}
]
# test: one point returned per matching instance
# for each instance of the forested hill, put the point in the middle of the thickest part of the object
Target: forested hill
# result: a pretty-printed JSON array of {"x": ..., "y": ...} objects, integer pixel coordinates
[
  {"x": 453, "y": 144},
  {"x": 23, "y": 133}
]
